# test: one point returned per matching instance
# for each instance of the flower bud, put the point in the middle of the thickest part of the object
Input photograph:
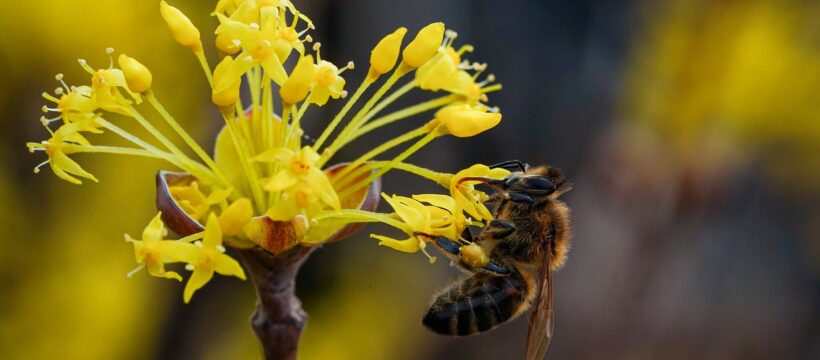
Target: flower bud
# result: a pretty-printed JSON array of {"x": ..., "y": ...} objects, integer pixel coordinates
[
  {"x": 467, "y": 121},
  {"x": 384, "y": 55},
  {"x": 183, "y": 30},
  {"x": 230, "y": 95},
  {"x": 137, "y": 76},
  {"x": 424, "y": 46},
  {"x": 235, "y": 217},
  {"x": 296, "y": 87}
]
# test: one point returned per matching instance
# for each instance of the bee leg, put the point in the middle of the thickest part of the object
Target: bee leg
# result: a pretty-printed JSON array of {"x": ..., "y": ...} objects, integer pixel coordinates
[
  {"x": 512, "y": 165},
  {"x": 499, "y": 228},
  {"x": 453, "y": 250},
  {"x": 496, "y": 269},
  {"x": 448, "y": 246},
  {"x": 520, "y": 198}
]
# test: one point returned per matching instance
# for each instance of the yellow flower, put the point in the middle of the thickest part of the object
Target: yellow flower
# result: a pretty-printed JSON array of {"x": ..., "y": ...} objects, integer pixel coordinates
[
  {"x": 328, "y": 83},
  {"x": 447, "y": 218},
  {"x": 193, "y": 200},
  {"x": 105, "y": 86},
  {"x": 182, "y": 29},
  {"x": 300, "y": 168},
  {"x": 447, "y": 71},
  {"x": 153, "y": 252},
  {"x": 62, "y": 143},
  {"x": 417, "y": 223},
  {"x": 467, "y": 120},
  {"x": 439, "y": 71},
  {"x": 424, "y": 46},
  {"x": 260, "y": 45},
  {"x": 208, "y": 257},
  {"x": 467, "y": 196},
  {"x": 75, "y": 104},
  {"x": 296, "y": 87},
  {"x": 297, "y": 200},
  {"x": 137, "y": 76},
  {"x": 384, "y": 55}
]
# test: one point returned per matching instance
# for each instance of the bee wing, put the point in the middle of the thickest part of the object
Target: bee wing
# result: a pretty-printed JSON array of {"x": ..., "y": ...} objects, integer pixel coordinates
[{"x": 542, "y": 323}]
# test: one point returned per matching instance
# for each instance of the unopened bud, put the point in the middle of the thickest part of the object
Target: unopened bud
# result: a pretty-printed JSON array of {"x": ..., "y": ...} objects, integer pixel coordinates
[
  {"x": 296, "y": 87},
  {"x": 384, "y": 55},
  {"x": 183, "y": 30},
  {"x": 137, "y": 76},
  {"x": 424, "y": 46}
]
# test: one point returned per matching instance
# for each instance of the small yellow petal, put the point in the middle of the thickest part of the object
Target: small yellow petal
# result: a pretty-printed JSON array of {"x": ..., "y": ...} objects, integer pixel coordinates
[
  {"x": 410, "y": 245},
  {"x": 225, "y": 265},
  {"x": 235, "y": 217},
  {"x": 198, "y": 279},
  {"x": 213, "y": 233}
]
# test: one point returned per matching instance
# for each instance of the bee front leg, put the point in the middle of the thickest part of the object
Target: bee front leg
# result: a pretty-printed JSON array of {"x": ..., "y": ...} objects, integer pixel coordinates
[{"x": 498, "y": 229}]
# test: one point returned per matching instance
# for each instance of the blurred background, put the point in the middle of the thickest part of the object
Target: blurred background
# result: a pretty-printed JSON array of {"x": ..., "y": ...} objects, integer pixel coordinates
[{"x": 691, "y": 129}]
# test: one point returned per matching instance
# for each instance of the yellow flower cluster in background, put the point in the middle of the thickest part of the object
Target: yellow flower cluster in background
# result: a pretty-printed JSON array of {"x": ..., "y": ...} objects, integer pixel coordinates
[{"x": 260, "y": 166}]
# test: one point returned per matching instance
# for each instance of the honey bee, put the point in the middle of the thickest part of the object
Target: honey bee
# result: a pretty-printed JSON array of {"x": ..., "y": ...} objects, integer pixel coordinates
[{"x": 527, "y": 240}]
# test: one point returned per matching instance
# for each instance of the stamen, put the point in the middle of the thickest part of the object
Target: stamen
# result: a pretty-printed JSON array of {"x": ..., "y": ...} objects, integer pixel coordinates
[
  {"x": 59, "y": 77},
  {"x": 59, "y": 91},
  {"x": 46, "y": 121},
  {"x": 136, "y": 270},
  {"x": 267, "y": 43},
  {"x": 236, "y": 42},
  {"x": 494, "y": 109},
  {"x": 317, "y": 46},
  {"x": 85, "y": 66},
  {"x": 344, "y": 94},
  {"x": 190, "y": 267},
  {"x": 220, "y": 248},
  {"x": 198, "y": 243},
  {"x": 308, "y": 38},
  {"x": 109, "y": 51},
  {"x": 37, "y": 168},
  {"x": 449, "y": 37},
  {"x": 254, "y": 26}
]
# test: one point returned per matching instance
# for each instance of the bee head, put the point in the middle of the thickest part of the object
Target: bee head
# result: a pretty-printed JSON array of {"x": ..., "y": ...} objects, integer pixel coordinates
[{"x": 539, "y": 181}]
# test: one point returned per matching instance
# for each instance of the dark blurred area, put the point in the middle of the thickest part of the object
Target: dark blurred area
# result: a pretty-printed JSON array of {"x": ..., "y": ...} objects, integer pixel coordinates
[{"x": 690, "y": 129}]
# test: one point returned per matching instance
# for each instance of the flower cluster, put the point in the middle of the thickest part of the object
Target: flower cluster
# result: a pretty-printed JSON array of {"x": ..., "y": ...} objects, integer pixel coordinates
[{"x": 262, "y": 167}]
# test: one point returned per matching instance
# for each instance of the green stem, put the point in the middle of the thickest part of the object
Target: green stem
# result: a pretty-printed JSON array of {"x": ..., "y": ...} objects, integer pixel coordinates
[
  {"x": 401, "y": 157},
  {"x": 410, "y": 135},
  {"x": 338, "y": 118},
  {"x": 185, "y": 136},
  {"x": 357, "y": 119},
  {"x": 401, "y": 114}
]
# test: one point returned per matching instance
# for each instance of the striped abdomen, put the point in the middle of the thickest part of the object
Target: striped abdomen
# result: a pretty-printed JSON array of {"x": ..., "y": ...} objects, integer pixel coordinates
[{"x": 476, "y": 304}]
